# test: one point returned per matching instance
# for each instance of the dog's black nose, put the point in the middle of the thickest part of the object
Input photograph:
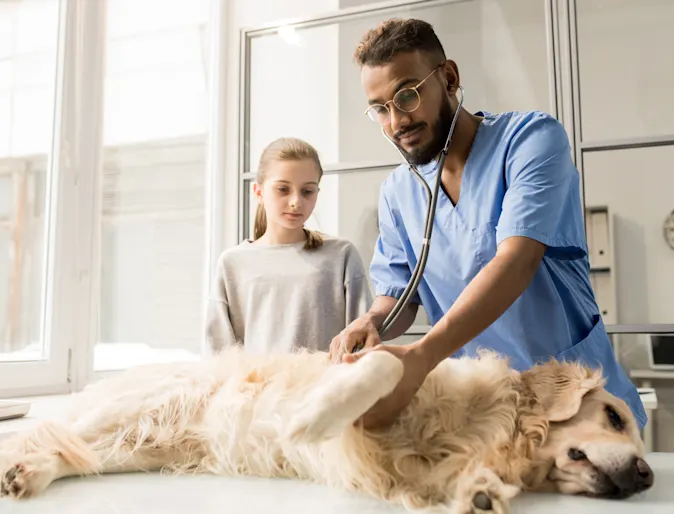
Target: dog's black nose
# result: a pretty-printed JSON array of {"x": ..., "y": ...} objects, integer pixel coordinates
[
  {"x": 643, "y": 475},
  {"x": 635, "y": 477}
]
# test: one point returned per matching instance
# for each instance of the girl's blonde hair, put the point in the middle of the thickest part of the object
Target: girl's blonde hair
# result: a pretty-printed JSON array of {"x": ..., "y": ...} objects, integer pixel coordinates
[{"x": 285, "y": 149}]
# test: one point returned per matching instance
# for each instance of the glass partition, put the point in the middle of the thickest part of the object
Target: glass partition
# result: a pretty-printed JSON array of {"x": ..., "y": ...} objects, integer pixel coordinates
[
  {"x": 625, "y": 68},
  {"x": 303, "y": 81},
  {"x": 629, "y": 197}
]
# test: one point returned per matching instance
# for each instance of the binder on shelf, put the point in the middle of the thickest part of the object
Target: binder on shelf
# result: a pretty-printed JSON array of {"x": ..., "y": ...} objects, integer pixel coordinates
[
  {"x": 598, "y": 239},
  {"x": 603, "y": 290}
]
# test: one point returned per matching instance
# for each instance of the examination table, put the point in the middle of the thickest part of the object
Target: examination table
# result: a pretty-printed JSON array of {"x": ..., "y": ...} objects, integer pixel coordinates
[{"x": 152, "y": 493}]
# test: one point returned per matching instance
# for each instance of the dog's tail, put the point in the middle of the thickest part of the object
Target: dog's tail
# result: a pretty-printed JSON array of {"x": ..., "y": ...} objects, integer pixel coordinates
[{"x": 343, "y": 394}]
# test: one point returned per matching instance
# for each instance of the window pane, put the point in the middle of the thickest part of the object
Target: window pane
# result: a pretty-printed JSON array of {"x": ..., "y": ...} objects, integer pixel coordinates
[
  {"x": 304, "y": 82},
  {"x": 626, "y": 73},
  {"x": 153, "y": 233},
  {"x": 634, "y": 275},
  {"x": 28, "y": 70}
]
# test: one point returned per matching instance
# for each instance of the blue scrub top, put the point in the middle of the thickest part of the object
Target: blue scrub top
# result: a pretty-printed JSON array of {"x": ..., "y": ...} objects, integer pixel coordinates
[{"x": 519, "y": 180}]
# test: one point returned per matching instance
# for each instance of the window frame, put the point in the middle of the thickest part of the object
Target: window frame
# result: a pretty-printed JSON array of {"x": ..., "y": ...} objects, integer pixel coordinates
[
  {"x": 74, "y": 199},
  {"x": 53, "y": 373}
]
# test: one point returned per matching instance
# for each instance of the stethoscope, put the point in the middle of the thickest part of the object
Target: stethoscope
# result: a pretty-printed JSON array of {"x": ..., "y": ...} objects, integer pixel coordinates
[{"x": 413, "y": 284}]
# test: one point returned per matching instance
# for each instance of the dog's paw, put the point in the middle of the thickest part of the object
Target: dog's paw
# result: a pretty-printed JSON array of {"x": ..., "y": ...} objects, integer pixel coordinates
[
  {"x": 343, "y": 395},
  {"x": 26, "y": 478},
  {"x": 14, "y": 482},
  {"x": 482, "y": 501},
  {"x": 483, "y": 492},
  {"x": 313, "y": 423}
]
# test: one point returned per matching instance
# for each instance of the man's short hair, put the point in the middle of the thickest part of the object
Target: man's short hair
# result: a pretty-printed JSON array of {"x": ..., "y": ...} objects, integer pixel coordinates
[{"x": 380, "y": 45}]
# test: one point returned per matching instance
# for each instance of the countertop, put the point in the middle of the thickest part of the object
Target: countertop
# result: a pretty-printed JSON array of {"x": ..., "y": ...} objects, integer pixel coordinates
[{"x": 152, "y": 493}]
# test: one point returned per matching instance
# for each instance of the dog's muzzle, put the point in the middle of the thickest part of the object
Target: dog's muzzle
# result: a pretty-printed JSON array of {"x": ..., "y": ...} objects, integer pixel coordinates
[{"x": 634, "y": 478}]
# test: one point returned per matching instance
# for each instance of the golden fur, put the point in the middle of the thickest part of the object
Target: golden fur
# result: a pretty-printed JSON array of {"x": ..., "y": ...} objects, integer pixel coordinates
[{"x": 475, "y": 435}]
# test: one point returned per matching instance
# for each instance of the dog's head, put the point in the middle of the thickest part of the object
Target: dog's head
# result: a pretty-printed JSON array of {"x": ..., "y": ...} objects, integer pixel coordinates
[{"x": 593, "y": 446}]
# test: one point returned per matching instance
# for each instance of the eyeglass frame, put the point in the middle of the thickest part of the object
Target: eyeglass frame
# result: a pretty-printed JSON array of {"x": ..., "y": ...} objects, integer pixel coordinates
[{"x": 415, "y": 89}]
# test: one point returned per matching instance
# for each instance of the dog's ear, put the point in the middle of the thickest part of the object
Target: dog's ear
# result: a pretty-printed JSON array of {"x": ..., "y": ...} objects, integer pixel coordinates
[{"x": 559, "y": 387}]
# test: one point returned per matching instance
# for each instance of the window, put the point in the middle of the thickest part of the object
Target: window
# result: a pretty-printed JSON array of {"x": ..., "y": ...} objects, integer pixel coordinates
[
  {"x": 154, "y": 162},
  {"x": 29, "y": 42},
  {"x": 106, "y": 200}
]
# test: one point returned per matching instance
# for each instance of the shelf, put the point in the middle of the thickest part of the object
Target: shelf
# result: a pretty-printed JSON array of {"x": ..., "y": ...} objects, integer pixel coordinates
[
  {"x": 658, "y": 328},
  {"x": 595, "y": 209},
  {"x": 649, "y": 398},
  {"x": 646, "y": 374}
]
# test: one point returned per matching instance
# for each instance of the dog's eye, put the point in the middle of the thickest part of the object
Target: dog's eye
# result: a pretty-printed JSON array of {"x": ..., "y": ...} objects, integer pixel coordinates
[
  {"x": 575, "y": 454},
  {"x": 614, "y": 418}
]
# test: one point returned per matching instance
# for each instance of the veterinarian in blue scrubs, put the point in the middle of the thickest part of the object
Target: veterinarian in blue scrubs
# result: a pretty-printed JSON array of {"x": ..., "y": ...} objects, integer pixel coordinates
[{"x": 508, "y": 264}]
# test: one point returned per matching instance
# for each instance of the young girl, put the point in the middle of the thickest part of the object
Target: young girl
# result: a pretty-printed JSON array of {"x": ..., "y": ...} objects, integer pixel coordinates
[{"x": 290, "y": 287}]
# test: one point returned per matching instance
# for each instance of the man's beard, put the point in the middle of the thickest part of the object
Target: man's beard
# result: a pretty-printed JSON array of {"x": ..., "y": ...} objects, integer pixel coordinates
[{"x": 425, "y": 154}]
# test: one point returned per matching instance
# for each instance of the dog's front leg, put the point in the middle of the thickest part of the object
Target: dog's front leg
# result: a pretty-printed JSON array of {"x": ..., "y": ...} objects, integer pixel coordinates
[{"x": 343, "y": 394}]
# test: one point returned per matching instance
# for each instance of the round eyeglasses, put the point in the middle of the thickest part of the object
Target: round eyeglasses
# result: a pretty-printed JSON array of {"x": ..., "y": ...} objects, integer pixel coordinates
[{"x": 406, "y": 100}]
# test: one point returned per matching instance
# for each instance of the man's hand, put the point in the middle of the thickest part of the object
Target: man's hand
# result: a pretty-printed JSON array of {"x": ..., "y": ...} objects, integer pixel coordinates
[
  {"x": 360, "y": 334},
  {"x": 417, "y": 367},
  {"x": 363, "y": 333}
]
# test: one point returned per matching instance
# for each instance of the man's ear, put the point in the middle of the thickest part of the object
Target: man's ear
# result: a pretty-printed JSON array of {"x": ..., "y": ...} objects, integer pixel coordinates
[
  {"x": 452, "y": 76},
  {"x": 559, "y": 387}
]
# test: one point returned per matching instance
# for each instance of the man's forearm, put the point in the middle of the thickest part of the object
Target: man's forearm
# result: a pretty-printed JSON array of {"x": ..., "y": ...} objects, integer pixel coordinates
[
  {"x": 382, "y": 307},
  {"x": 482, "y": 302}
]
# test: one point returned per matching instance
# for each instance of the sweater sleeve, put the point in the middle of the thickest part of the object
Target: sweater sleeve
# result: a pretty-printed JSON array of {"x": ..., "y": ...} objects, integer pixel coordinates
[
  {"x": 356, "y": 287},
  {"x": 219, "y": 331}
]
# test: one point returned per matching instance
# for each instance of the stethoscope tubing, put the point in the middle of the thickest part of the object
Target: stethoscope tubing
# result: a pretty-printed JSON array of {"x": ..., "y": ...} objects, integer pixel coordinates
[{"x": 417, "y": 274}]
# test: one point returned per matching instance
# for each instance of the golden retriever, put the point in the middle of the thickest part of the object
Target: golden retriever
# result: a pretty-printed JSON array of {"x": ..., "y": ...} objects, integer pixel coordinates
[{"x": 475, "y": 435}]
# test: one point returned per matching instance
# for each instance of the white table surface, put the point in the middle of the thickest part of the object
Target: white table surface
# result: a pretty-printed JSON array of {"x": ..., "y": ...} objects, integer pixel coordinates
[{"x": 151, "y": 493}]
